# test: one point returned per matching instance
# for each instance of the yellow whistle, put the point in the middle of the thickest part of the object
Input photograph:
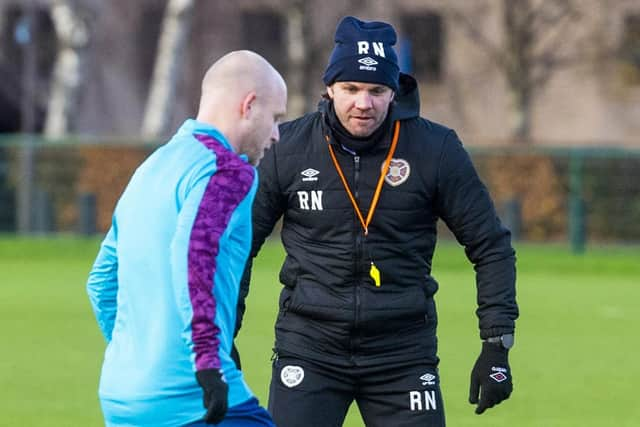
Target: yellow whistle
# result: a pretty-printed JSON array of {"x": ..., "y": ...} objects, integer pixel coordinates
[{"x": 375, "y": 274}]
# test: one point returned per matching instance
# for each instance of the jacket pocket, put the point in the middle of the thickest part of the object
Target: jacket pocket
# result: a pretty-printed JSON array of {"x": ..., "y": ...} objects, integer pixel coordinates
[
  {"x": 321, "y": 302},
  {"x": 284, "y": 301},
  {"x": 289, "y": 272},
  {"x": 392, "y": 307}
]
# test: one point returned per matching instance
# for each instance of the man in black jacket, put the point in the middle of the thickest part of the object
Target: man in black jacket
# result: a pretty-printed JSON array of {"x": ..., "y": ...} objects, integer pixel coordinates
[{"x": 360, "y": 185}]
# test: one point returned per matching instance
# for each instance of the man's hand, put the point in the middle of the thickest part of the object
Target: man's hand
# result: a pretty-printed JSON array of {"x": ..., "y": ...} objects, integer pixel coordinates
[
  {"x": 490, "y": 377},
  {"x": 215, "y": 394}
]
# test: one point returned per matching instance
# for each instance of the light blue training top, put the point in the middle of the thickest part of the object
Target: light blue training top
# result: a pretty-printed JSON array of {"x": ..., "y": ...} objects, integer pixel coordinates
[{"x": 165, "y": 284}]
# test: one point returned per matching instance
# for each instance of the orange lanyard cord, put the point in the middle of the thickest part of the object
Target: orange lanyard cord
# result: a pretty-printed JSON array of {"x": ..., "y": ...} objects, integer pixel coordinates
[{"x": 376, "y": 195}]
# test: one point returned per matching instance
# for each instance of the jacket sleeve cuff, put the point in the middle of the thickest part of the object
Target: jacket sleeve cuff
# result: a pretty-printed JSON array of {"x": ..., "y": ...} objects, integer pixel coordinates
[{"x": 495, "y": 332}]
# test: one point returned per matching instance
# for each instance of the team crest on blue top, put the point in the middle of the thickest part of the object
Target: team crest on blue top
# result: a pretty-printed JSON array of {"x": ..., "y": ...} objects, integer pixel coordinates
[{"x": 398, "y": 173}]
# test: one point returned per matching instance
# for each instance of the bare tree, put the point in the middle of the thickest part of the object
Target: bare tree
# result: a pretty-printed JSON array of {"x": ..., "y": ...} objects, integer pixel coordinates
[
  {"x": 25, "y": 186},
  {"x": 305, "y": 56},
  {"x": 297, "y": 48},
  {"x": 539, "y": 39},
  {"x": 73, "y": 36},
  {"x": 173, "y": 37}
]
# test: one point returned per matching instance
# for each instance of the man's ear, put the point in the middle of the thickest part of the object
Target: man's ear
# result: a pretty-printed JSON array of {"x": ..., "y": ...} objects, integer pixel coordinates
[
  {"x": 247, "y": 104},
  {"x": 330, "y": 91}
]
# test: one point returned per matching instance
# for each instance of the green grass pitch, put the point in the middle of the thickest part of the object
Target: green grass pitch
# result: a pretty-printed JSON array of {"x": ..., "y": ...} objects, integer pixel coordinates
[{"x": 575, "y": 362}]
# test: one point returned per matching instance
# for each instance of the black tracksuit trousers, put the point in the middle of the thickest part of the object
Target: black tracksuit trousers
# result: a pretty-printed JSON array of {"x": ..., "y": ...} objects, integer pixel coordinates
[{"x": 306, "y": 393}]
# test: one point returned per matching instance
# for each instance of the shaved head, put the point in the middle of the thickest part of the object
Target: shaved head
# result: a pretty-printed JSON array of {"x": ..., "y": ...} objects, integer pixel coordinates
[
  {"x": 245, "y": 97},
  {"x": 240, "y": 70}
]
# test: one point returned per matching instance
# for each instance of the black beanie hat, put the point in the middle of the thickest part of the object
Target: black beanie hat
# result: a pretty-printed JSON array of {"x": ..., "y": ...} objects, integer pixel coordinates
[{"x": 363, "y": 53}]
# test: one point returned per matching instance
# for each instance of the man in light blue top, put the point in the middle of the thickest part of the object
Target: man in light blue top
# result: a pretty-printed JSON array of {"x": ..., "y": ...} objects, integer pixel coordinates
[{"x": 164, "y": 286}]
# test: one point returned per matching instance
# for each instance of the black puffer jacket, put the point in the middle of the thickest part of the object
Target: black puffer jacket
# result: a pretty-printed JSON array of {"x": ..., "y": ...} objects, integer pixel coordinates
[{"x": 330, "y": 308}]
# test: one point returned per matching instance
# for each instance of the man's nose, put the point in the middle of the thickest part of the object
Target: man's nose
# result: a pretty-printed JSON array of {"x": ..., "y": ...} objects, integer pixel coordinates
[{"x": 363, "y": 101}]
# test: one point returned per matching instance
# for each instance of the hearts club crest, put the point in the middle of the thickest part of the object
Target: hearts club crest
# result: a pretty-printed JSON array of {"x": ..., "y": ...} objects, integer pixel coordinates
[{"x": 398, "y": 173}]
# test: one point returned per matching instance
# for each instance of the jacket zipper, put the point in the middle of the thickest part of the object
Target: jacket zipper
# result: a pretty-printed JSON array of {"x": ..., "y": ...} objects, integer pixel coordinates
[{"x": 356, "y": 164}]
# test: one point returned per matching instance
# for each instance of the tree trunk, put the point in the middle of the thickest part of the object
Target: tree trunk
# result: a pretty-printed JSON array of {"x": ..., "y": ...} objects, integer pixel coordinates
[
  {"x": 296, "y": 50},
  {"x": 72, "y": 35},
  {"x": 521, "y": 115},
  {"x": 25, "y": 185},
  {"x": 520, "y": 40},
  {"x": 173, "y": 36}
]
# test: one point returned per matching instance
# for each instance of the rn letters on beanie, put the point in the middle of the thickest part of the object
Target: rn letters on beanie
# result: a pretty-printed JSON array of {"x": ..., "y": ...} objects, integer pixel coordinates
[{"x": 363, "y": 53}]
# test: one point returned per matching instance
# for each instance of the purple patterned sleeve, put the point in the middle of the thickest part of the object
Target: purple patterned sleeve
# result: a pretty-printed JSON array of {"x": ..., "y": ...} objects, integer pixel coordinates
[{"x": 224, "y": 192}]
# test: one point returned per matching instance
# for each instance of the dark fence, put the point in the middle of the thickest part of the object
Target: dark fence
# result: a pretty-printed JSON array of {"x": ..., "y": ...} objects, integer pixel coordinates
[
  {"x": 579, "y": 195},
  {"x": 70, "y": 186}
]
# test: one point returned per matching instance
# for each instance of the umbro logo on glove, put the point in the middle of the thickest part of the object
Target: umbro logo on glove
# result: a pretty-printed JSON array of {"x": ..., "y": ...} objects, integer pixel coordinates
[{"x": 500, "y": 374}]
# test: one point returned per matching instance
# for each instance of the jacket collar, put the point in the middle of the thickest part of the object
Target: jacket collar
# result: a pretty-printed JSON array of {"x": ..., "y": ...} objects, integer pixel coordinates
[
  {"x": 192, "y": 126},
  {"x": 407, "y": 102}
]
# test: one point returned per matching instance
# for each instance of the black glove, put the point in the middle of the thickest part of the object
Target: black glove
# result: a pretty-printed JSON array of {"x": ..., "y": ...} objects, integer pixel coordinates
[
  {"x": 215, "y": 394},
  {"x": 490, "y": 377}
]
